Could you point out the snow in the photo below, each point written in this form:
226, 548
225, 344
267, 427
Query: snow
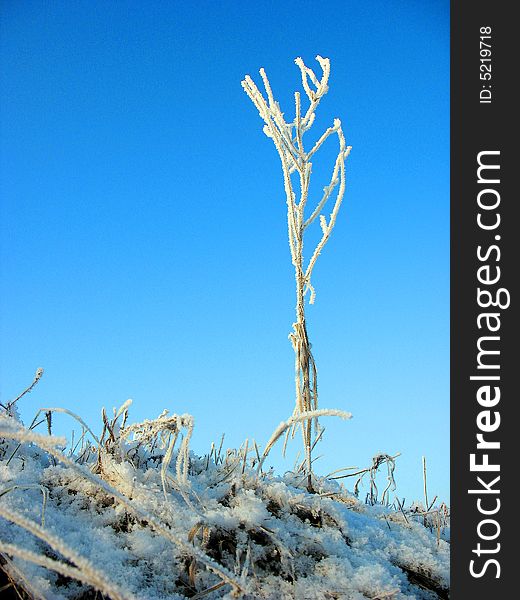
140, 516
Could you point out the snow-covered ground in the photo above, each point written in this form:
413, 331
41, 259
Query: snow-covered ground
135, 514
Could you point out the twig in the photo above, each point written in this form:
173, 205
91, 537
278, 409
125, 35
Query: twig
37, 377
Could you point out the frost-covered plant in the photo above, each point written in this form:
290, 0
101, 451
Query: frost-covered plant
288, 138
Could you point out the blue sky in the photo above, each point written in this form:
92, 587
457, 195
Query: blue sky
143, 233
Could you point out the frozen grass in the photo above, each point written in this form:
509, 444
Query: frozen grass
133, 513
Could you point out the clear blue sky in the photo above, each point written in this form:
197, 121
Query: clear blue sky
144, 251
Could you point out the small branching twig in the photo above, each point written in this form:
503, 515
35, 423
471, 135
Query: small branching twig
377, 461
37, 377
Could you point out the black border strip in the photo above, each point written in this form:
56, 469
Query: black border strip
477, 127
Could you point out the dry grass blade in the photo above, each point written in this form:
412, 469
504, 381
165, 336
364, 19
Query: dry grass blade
284, 425
48, 444
18, 580
213, 588
65, 570
89, 573
43, 490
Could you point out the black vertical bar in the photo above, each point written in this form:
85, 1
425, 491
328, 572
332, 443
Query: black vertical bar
482, 121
